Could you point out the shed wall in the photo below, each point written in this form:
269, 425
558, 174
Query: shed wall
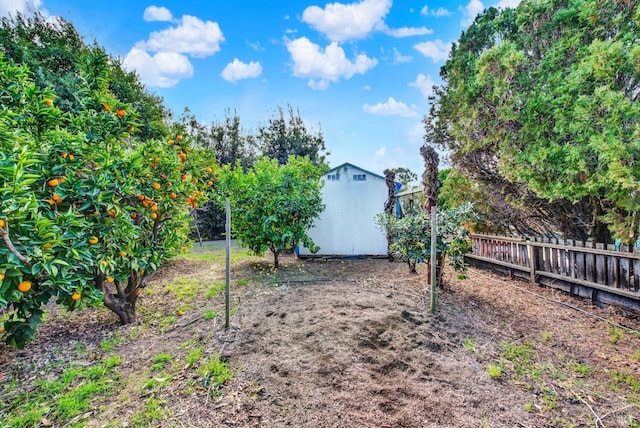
347, 227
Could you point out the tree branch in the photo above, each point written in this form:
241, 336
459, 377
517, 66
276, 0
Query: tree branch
5, 236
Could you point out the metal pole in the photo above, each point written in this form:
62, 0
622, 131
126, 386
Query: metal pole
228, 265
434, 238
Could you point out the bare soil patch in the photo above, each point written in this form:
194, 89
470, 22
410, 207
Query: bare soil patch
349, 343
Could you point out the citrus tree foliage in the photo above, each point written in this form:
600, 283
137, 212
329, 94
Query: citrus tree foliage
87, 211
411, 235
273, 206
284, 137
56, 55
540, 105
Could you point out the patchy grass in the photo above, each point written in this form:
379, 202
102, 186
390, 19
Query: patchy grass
60, 398
214, 373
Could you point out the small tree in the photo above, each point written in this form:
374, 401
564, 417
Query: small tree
273, 205
411, 236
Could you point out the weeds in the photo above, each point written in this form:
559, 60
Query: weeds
214, 373
155, 409
110, 344
216, 289
61, 399
470, 344
161, 361
194, 356
494, 371
615, 335
185, 289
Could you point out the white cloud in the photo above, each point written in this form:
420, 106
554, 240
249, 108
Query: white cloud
155, 13
164, 69
398, 58
367, 88
324, 66
405, 31
441, 11
340, 22
238, 70
471, 10
503, 4
12, 7
424, 83
193, 36
319, 84
391, 108
437, 50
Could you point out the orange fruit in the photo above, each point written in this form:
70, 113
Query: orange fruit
24, 286
154, 207
154, 216
183, 177
53, 182
2, 223
173, 195
122, 253
120, 113
2, 276
141, 197
180, 312
51, 201
106, 107
112, 214
134, 216
93, 240
109, 279
156, 186
56, 198
75, 296
208, 170
209, 183
195, 181
48, 102
1, 329
70, 156
179, 137
170, 141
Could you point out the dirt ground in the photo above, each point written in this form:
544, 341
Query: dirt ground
351, 343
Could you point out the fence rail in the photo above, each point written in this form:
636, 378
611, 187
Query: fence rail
573, 265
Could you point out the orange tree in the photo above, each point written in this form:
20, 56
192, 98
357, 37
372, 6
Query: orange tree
87, 210
273, 206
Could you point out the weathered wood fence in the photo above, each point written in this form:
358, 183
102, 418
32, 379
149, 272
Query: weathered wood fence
602, 272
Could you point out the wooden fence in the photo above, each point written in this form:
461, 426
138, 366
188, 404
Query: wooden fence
581, 268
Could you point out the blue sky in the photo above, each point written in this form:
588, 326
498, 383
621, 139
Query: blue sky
358, 71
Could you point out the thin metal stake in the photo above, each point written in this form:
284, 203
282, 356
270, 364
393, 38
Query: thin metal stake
228, 273
434, 238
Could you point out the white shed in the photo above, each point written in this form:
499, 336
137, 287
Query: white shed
352, 197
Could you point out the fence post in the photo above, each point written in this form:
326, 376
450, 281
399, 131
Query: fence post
532, 261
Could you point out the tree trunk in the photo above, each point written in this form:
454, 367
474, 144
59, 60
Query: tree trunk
276, 262
390, 180
125, 310
599, 231
122, 301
